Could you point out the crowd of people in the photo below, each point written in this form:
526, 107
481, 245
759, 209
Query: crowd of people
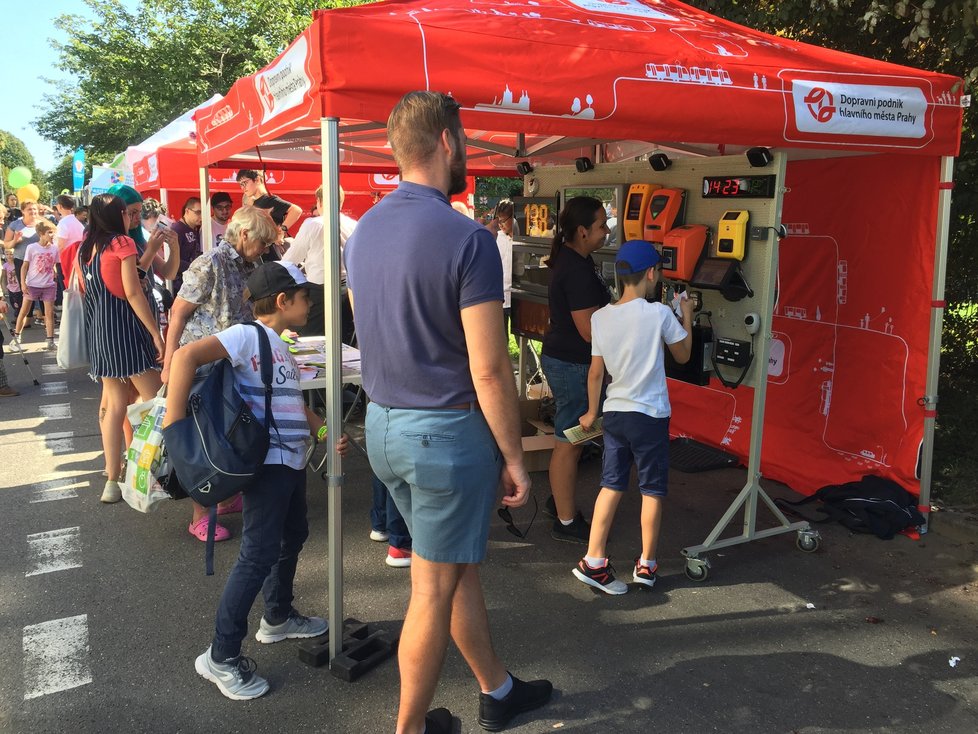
442, 425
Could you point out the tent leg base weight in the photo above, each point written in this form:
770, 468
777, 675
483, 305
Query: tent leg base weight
362, 655
315, 652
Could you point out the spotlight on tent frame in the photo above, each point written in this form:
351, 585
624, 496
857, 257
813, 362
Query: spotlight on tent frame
759, 157
524, 168
659, 161
584, 164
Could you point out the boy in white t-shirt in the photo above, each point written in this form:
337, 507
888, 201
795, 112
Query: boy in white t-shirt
627, 339
274, 513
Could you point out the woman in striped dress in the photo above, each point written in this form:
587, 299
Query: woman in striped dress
124, 341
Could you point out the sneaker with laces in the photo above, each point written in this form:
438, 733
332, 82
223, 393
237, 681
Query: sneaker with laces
494, 714
296, 626
397, 558
602, 577
379, 536
643, 574
235, 678
577, 532
112, 492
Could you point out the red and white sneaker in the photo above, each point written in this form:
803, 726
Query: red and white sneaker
602, 577
397, 558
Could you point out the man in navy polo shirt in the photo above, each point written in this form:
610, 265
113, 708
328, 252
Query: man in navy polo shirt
443, 422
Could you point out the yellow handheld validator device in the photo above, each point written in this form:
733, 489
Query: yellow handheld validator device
732, 234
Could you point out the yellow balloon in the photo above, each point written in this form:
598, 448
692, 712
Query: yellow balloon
30, 192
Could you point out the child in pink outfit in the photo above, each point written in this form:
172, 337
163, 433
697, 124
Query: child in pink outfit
11, 282
37, 277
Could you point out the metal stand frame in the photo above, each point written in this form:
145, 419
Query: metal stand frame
808, 540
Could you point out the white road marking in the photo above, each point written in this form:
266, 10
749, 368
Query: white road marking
55, 550
56, 411
55, 489
54, 388
56, 656
61, 442
51, 369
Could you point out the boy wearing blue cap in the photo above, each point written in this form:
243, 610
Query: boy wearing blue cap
627, 339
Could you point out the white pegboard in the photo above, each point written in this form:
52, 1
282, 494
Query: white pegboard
760, 265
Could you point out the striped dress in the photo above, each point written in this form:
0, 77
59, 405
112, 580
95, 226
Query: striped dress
118, 343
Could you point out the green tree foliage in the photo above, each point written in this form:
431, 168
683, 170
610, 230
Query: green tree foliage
135, 71
490, 190
14, 153
939, 37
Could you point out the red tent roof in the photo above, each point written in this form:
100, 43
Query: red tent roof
561, 75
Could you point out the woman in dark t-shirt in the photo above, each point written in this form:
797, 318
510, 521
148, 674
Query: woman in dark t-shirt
576, 292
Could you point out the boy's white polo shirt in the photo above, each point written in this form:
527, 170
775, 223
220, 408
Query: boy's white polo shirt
631, 338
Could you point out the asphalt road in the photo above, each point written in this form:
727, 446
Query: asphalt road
104, 610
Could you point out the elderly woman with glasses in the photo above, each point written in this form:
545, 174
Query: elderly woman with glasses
214, 297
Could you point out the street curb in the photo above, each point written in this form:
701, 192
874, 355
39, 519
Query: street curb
954, 526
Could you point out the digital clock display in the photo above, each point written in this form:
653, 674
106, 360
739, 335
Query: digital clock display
738, 187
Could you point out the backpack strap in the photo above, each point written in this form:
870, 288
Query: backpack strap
265, 357
209, 546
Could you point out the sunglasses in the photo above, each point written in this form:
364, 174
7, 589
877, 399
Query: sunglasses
507, 517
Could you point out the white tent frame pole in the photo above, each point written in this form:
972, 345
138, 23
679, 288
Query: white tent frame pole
206, 228
330, 139
929, 400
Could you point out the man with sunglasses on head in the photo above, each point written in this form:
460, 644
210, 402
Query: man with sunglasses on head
443, 421
253, 192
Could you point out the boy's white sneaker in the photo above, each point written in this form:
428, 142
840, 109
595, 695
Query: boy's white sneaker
602, 577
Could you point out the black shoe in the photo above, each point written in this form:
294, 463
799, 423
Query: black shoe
550, 508
577, 532
525, 696
439, 721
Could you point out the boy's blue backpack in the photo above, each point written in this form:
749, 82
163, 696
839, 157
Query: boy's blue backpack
218, 447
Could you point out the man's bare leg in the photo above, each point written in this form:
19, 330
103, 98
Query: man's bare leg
470, 630
424, 638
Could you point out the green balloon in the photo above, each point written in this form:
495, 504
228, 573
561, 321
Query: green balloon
18, 177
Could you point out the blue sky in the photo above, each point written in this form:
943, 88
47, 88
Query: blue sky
33, 58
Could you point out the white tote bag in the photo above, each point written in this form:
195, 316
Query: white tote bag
72, 341
146, 458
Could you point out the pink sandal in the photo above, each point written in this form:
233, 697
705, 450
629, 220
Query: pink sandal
199, 530
235, 505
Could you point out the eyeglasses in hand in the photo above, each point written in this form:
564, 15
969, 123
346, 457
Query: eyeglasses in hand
507, 517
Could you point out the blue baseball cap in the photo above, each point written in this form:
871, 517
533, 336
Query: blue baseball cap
635, 256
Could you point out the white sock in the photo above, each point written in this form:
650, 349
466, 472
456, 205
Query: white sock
565, 523
500, 693
647, 564
595, 562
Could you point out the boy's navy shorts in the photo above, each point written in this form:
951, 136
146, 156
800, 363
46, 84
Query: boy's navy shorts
635, 437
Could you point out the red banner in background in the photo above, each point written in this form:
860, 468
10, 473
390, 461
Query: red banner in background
849, 356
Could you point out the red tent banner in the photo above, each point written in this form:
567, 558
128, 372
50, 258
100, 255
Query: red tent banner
844, 377
657, 71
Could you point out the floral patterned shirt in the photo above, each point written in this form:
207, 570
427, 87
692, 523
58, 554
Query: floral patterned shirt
216, 283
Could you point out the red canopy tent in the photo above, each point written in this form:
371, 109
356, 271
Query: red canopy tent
868, 147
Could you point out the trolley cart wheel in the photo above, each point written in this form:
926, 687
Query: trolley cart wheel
808, 541
697, 569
